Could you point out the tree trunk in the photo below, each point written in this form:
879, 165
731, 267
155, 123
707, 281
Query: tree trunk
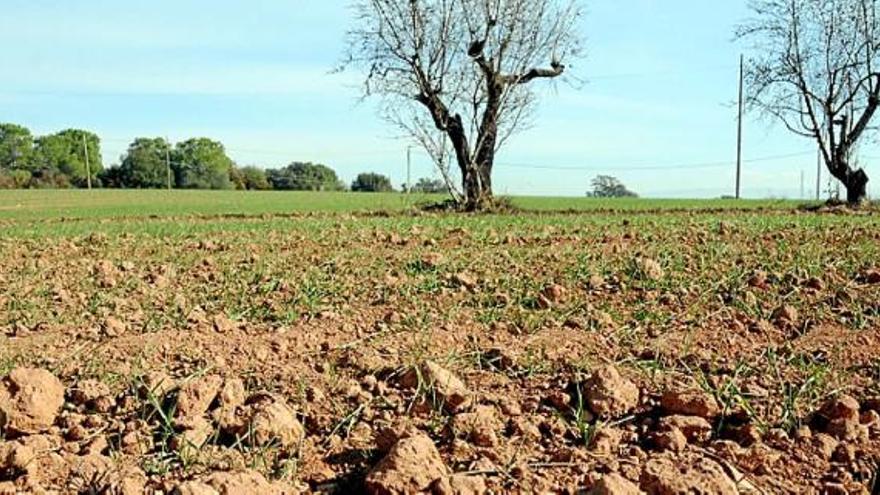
856, 183
473, 190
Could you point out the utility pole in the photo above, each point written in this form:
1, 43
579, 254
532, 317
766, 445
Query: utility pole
408, 169
168, 162
88, 166
739, 132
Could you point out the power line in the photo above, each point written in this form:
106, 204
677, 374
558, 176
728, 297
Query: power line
683, 166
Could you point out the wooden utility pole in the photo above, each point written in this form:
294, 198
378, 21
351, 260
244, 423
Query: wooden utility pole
88, 166
739, 132
168, 162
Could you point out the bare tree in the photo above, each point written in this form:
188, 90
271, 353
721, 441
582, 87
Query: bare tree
816, 71
454, 74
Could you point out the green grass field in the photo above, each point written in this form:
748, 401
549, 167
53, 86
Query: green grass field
754, 304
98, 204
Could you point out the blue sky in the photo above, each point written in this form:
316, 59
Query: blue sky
656, 110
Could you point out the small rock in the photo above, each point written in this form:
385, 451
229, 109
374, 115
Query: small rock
560, 399
88, 468
194, 436
16, 456
245, 482
132, 481
649, 269
803, 433
411, 466
272, 421
432, 260
845, 453
440, 383
387, 437
690, 403
554, 293
465, 280
747, 435
88, 392
697, 475
606, 441
479, 426
825, 445
785, 316
114, 327
30, 400
195, 488
846, 430
459, 484
156, 384
609, 395
672, 439
196, 396
615, 484
222, 324
842, 407
233, 393
758, 279
835, 489
694, 428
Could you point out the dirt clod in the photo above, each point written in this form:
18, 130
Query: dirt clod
479, 426
690, 403
672, 439
615, 484
30, 400
440, 383
196, 396
459, 484
649, 269
694, 428
411, 466
609, 394
667, 475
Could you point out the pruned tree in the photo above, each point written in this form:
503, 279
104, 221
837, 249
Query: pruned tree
455, 75
816, 69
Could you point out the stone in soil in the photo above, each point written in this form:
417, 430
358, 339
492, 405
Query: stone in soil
440, 383
459, 484
411, 466
674, 475
479, 426
690, 403
231, 483
272, 421
196, 396
30, 400
615, 484
672, 439
842, 407
649, 269
694, 428
89, 392
610, 395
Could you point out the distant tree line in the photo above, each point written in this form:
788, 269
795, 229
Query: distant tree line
72, 158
